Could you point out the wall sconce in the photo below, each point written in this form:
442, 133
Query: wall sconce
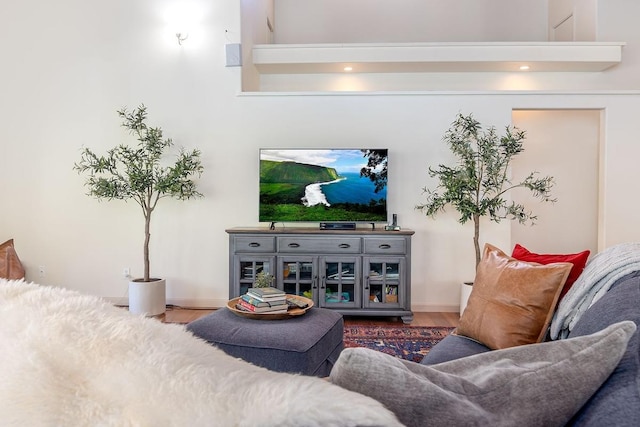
182, 37
182, 20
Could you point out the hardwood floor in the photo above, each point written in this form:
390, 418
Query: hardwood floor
186, 315
176, 314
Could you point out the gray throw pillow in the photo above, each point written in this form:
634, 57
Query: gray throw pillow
534, 385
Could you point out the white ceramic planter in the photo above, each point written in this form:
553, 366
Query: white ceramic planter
148, 298
465, 291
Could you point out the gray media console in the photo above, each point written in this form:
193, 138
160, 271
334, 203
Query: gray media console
356, 272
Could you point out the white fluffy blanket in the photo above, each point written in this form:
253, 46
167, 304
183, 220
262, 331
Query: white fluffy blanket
600, 273
74, 360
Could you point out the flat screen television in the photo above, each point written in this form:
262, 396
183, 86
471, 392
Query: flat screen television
331, 185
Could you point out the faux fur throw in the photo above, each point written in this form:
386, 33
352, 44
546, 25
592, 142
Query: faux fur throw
74, 360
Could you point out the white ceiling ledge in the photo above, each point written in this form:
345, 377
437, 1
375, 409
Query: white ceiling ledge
437, 57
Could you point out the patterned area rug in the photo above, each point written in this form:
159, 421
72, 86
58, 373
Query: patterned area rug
406, 342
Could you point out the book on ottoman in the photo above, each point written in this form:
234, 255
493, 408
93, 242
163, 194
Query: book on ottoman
267, 294
269, 308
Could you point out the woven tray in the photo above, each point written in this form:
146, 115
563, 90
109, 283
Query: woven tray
292, 312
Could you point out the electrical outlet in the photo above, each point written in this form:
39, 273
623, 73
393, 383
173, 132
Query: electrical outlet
126, 272
41, 271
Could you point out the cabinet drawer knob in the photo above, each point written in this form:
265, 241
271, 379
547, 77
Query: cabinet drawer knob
384, 246
294, 245
344, 245
254, 244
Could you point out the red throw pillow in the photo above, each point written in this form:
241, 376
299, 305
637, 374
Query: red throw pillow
578, 260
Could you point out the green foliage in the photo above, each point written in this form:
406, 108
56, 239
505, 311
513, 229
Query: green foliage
263, 280
275, 194
137, 172
376, 169
339, 211
476, 185
294, 173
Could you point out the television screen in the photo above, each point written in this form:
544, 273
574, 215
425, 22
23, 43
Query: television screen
323, 185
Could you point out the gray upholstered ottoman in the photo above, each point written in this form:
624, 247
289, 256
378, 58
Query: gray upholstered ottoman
308, 344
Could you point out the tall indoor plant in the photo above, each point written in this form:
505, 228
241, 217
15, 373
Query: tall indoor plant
476, 184
137, 173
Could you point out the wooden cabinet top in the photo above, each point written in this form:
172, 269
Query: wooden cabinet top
310, 230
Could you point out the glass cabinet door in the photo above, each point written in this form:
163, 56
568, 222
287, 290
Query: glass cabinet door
249, 267
340, 282
299, 276
383, 286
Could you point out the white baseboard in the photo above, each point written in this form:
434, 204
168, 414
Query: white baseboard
428, 308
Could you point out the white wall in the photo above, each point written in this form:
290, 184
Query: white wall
556, 140
368, 21
255, 30
73, 65
573, 20
459, 20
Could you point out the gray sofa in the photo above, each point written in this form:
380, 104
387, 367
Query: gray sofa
589, 379
617, 401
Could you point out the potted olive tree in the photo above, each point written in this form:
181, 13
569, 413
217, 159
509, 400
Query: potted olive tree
137, 173
477, 183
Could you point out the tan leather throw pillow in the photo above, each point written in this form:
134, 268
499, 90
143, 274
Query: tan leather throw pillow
512, 302
10, 265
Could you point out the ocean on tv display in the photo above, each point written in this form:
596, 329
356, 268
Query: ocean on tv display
323, 185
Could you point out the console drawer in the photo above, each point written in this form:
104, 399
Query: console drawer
255, 244
385, 246
304, 245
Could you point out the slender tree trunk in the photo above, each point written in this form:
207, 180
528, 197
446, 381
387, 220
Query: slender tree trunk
476, 237
147, 237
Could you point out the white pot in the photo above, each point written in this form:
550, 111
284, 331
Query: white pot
465, 291
148, 298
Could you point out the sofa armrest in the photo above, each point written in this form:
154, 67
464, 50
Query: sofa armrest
617, 402
453, 347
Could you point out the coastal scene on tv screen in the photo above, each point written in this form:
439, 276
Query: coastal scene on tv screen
323, 185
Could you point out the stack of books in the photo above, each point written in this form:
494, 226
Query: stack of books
263, 300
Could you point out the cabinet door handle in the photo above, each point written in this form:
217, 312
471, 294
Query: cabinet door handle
294, 245
315, 282
254, 245
322, 286
344, 245
366, 283
384, 246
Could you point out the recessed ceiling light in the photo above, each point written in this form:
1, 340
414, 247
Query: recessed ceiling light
348, 68
524, 67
